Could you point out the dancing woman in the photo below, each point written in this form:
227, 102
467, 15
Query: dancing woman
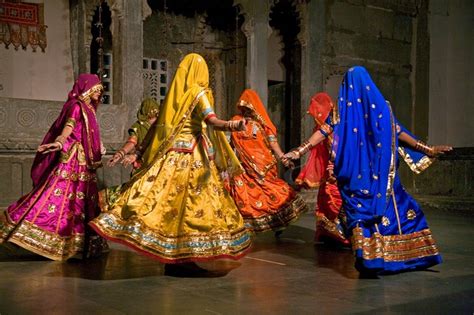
146, 116
318, 172
265, 201
52, 219
175, 207
389, 230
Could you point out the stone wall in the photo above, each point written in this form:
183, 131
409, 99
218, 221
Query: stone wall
173, 36
375, 34
451, 115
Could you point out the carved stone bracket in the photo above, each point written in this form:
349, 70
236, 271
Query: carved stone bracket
302, 10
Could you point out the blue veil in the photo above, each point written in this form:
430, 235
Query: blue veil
364, 148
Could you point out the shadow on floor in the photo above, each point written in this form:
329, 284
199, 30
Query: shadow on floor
298, 242
116, 265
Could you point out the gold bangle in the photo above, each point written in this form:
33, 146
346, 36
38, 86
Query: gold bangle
423, 147
61, 139
232, 125
122, 153
60, 144
303, 148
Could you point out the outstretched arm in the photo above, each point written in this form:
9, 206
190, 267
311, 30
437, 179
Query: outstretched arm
297, 153
431, 151
226, 125
58, 142
279, 153
124, 150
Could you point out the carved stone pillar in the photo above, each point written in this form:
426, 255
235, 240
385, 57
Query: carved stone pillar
255, 29
127, 30
311, 39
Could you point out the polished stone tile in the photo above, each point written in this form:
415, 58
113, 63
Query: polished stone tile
288, 275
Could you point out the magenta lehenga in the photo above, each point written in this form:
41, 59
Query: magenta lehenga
52, 219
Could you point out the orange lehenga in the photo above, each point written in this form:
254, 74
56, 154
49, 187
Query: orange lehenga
317, 173
265, 201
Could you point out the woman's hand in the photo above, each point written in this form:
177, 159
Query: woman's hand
237, 125
129, 159
50, 147
292, 155
440, 149
286, 162
115, 159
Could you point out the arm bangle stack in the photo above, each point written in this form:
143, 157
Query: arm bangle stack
122, 153
60, 140
423, 147
304, 148
232, 125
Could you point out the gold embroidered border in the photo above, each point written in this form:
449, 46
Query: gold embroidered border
418, 167
81, 176
150, 241
394, 248
392, 170
250, 106
66, 157
289, 213
39, 241
70, 122
322, 222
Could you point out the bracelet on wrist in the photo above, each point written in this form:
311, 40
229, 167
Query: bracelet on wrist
60, 139
122, 153
60, 144
423, 147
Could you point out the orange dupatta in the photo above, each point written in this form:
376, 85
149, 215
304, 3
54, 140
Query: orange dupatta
252, 146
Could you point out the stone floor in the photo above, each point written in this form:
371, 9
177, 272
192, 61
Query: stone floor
286, 276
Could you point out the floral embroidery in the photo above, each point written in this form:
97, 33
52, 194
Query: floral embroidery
197, 164
51, 208
411, 215
184, 164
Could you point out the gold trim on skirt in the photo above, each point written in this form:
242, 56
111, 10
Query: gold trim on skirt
178, 210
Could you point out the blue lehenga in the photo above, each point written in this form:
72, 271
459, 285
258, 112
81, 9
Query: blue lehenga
389, 230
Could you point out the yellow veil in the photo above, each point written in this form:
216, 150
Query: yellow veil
190, 82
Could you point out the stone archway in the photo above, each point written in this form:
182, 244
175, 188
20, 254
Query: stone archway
284, 18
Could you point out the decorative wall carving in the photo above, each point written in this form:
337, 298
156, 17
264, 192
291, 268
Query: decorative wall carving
24, 122
22, 24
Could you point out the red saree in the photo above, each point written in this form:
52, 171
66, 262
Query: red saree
317, 172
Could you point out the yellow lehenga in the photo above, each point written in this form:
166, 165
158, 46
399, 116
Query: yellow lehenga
175, 208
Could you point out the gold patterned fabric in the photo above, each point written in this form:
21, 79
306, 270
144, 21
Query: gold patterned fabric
395, 248
50, 245
175, 208
178, 211
416, 167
